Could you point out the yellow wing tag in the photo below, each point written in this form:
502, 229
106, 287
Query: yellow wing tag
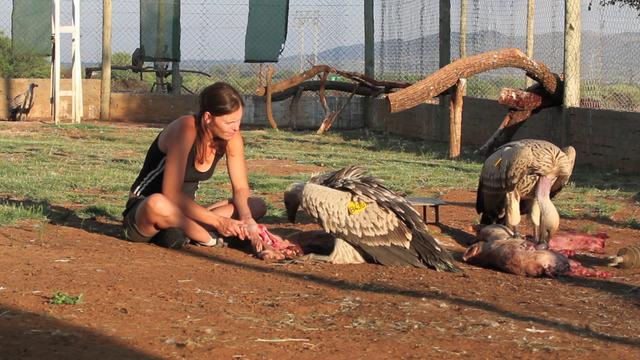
498, 162
356, 207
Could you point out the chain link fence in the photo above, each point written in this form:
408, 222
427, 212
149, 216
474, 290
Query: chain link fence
406, 42
407, 34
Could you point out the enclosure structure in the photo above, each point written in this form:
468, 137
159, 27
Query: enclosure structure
388, 40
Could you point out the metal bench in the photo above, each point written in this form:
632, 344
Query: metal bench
426, 202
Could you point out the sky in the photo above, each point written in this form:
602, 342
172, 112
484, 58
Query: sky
214, 29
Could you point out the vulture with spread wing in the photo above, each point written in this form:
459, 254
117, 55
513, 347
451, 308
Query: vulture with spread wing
369, 221
20, 106
522, 177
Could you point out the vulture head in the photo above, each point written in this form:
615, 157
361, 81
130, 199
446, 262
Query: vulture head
292, 200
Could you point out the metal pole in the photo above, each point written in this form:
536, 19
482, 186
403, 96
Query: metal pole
445, 57
369, 58
572, 54
76, 90
105, 95
463, 29
531, 8
56, 62
369, 40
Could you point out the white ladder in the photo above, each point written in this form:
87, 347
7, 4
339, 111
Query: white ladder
76, 74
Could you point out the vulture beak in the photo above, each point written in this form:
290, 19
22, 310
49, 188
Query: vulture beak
291, 204
292, 200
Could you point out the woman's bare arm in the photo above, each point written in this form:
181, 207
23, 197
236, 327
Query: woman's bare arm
237, 168
176, 143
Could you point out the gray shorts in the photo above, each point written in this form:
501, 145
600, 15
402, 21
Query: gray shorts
131, 231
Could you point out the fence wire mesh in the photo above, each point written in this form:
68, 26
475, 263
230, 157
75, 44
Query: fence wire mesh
332, 32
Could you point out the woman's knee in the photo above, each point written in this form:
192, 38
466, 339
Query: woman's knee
158, 206
258, 207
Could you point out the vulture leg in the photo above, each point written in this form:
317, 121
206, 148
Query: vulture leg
343, 253
549, 217
513, 211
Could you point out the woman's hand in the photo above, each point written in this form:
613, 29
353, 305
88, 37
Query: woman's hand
252, 232
231, 227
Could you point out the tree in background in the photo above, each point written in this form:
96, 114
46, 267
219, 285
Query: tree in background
633, 3
23, 66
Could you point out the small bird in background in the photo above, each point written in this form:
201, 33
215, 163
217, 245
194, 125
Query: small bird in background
137, 60
20, 106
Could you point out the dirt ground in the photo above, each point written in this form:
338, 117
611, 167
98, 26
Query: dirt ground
141, 301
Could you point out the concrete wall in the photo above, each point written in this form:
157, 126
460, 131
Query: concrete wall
160, 108
41, 109
602, 138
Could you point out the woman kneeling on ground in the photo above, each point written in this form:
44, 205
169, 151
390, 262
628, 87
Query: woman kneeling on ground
186, 152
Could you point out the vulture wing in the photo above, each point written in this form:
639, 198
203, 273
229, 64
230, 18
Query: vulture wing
501, 172
362, 211
566, 164
17, 102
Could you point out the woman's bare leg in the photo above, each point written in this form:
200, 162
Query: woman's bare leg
227, 209
157, 212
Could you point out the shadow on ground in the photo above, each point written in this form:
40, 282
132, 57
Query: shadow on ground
26, 335
59, 215
604, 285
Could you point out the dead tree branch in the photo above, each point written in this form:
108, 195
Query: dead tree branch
522, 104
449, 75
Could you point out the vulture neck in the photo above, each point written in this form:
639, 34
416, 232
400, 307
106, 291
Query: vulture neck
549, 217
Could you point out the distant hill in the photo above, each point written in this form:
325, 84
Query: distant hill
616, 55
609, 57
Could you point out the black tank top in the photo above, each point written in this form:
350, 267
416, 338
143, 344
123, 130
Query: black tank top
149, 180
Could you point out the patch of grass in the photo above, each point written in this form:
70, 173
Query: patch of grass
10, 213
62, 298
86, 170
632, 223
587, 228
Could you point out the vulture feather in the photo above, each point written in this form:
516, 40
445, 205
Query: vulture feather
522, 177
363, 214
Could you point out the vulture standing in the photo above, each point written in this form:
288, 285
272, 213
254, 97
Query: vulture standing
20, 106
137, 60
522, 177
369, 221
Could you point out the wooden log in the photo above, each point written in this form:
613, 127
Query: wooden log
332, 116
364, 82
510, 124
522, 104
449, 75
455, 125
269, 106
519, 99
295, 80
315, 85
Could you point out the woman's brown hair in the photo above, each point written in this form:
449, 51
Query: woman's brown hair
218, 99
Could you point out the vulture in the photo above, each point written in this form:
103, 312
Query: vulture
521, 177
20, 106
137, 60
370, 222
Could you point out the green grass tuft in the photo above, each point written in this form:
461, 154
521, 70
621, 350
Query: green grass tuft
61, 298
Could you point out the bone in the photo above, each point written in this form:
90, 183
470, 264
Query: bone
627, 257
